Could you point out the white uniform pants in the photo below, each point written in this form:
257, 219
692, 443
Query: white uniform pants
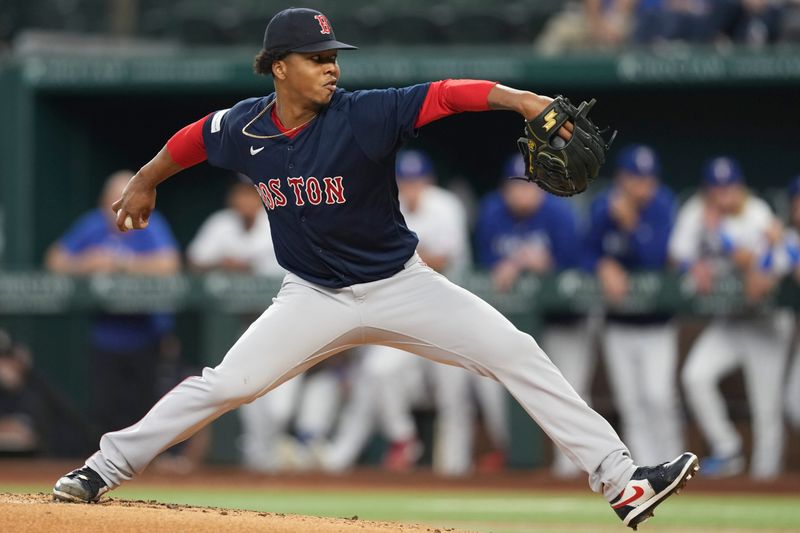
312, 400
642, 364
390, 382
264, 421
383, 384
416, 310
759, 346
792, 397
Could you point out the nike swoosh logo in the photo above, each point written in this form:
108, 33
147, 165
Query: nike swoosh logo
254, 151
637, 493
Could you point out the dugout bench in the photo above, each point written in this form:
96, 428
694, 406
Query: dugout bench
51, 313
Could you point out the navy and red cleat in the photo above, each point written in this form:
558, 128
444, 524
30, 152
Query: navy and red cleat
651, 485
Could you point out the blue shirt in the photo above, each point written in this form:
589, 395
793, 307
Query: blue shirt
330, 191
552, 226
645, 248
120, 333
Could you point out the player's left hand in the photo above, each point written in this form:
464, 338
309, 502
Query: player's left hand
774, 232
559, 164
613, 280
137, 201
535, 104
757, 285
624, 211
504, 275
702, 274
535, 258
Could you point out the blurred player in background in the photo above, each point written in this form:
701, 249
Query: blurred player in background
523, 230
792, 247
237, 239
35, 417
587, 24
723, 231
629, 232
390, 382
124, 348
755, 23
687, 21
22, 421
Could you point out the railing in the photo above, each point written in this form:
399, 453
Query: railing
37, 302
32, 293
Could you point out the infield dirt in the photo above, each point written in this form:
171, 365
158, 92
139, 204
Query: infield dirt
39, 513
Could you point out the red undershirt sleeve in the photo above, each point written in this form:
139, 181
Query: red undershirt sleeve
187, 147
449, 97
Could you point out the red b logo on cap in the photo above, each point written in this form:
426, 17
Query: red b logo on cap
323, 24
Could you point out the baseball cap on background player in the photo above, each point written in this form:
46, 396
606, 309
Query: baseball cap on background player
722, 171
413, 165
638, 160
299, 29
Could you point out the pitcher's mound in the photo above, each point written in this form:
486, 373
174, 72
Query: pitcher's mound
39, 513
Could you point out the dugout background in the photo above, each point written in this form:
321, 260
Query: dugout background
68, 121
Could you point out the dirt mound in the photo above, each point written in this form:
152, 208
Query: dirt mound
39, 513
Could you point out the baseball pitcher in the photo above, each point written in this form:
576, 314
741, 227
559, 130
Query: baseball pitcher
323, 159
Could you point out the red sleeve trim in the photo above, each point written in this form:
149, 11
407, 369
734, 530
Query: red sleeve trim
187, 147
449, 97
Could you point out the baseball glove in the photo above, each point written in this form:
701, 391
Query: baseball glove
563, 167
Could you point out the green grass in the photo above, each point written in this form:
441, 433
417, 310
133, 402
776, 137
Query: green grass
489, 511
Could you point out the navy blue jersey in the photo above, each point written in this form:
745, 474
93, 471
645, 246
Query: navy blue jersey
330, 191
643, 249
94, 230
553, 226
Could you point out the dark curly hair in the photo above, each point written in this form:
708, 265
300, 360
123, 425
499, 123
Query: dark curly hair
262, 64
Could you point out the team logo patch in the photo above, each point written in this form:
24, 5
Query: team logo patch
325, 26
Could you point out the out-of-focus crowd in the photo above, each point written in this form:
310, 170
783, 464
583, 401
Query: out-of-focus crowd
554, 25
328, 417
611, 24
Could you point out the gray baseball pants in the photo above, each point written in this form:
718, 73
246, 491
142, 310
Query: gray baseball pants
416, 310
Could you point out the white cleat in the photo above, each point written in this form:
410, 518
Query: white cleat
651, 485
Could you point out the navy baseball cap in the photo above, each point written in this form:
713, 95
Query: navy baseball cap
639, 160
299, 29
413, 164
514, 167
794, 187
722, 171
